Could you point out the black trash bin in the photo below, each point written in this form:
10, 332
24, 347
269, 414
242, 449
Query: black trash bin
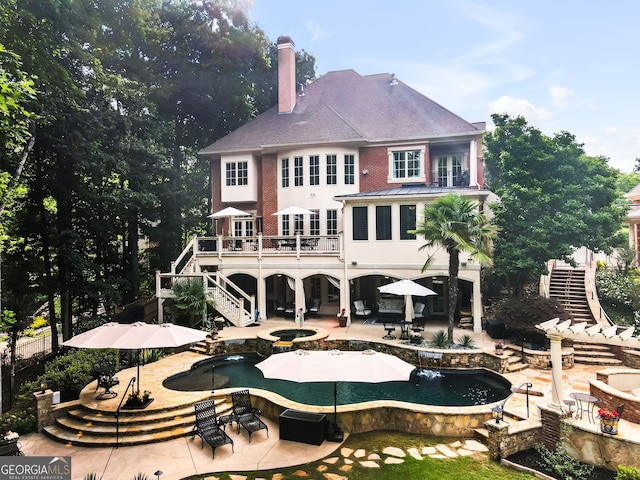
305, 427
495, 328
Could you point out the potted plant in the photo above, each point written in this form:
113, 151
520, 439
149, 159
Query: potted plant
8, 442
608, 421
499, 348
416, 338
342, 317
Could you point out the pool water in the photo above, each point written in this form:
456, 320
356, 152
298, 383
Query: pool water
427, 387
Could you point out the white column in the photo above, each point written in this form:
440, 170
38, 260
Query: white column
556, 371
473, 163
262, 297
476, 306
299, 303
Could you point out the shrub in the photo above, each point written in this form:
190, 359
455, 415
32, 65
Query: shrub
439, 339
72, 372
627, 473
560, 462
521, 315
20, 421
466, 341
39, 322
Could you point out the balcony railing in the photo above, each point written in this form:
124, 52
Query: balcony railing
258, 246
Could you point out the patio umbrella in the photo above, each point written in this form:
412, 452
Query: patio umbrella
229, 212
408, 288
293, 210
335, 366
136, 336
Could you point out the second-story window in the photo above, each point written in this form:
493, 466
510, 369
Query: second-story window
406, 164
314, 223
332, 222
332, 170
349, 170
231, 174
407, 222
360, 223
285, 172
314, 170
383, 222
298, 173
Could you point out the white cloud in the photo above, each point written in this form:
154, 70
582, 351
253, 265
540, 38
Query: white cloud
519, 106
620, 144
561, 96
317, 32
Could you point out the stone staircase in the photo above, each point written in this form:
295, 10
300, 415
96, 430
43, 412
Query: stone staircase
567, 286
87, 427
594, 354
514, 358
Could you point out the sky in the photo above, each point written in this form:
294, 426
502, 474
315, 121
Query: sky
564, 65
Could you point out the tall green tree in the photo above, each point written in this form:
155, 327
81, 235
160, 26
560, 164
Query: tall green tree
552, 198
455, 224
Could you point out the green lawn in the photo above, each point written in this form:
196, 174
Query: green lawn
476, 467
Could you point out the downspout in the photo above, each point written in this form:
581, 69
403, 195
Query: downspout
345, 286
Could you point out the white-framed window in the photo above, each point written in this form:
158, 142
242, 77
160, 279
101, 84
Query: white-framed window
298, 223
237, 173
314, 170
349, 170
285, 172
448, 170
285, 225
407, 164
298, 171
332, 169
314, 223
332, 222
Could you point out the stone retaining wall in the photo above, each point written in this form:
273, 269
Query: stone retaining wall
610, 398
631, 358
506, 439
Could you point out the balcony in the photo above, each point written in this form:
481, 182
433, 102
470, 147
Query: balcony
257, 247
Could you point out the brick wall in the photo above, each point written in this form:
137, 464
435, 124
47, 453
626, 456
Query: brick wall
610, 399
269, 197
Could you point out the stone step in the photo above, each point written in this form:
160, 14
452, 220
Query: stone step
516, 367
597, 361
580, 347
90, 440
481, 434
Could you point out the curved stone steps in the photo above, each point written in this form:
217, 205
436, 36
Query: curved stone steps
86, 426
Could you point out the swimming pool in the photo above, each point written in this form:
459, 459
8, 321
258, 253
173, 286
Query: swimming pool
425, 387
288, 335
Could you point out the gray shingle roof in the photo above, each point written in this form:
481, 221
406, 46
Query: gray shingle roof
345, 107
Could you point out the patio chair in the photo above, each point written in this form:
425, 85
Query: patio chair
315, 307
361, 310
104, 373
245, 414
418, 310
207, 427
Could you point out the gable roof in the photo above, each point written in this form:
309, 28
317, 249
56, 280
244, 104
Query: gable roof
346, 107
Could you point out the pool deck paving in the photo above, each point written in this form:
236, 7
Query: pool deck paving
183, 457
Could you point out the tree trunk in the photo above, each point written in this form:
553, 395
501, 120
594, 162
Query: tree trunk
454, 266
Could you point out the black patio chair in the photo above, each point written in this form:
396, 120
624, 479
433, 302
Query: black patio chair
245, 414
207, 427
104, 373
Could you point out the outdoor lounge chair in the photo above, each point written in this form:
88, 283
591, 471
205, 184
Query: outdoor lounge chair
361, 310
207, 426
315, 307
418, 310
245, 414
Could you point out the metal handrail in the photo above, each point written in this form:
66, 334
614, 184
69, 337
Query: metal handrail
526, 384
117, 414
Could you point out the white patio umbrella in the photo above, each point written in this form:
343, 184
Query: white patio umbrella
229, 212
293, 210
407, 288
335, 366
136, 336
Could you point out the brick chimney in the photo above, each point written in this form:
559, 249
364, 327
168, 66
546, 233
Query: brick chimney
286, 75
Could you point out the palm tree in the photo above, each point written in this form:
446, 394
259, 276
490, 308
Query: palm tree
455, 223
190, 300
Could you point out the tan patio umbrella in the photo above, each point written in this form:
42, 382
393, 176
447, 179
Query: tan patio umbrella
136, 336
335, 366
407, 288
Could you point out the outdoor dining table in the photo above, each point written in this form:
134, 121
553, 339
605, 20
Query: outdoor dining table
585, 402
